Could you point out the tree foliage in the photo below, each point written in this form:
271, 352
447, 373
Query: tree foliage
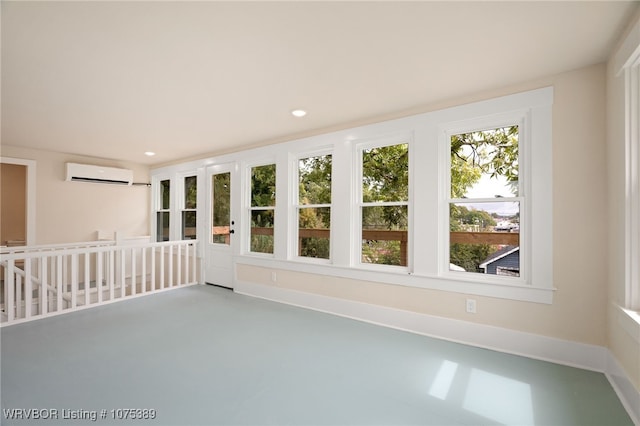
492, 153
463, 219
385, 178
487, 152
263, 186
314, 190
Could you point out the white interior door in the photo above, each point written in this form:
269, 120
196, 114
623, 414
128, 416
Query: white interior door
221, 239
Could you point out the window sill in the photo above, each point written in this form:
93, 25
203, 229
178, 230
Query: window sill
520, 292
630, 322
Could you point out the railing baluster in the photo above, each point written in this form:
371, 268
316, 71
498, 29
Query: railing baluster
99, 275
162, 273
65, 273
112, 274
44, 287
28, 289
179, 266
143, 273
87, 279
123, 275
170, 266
59, 284
152, 283
194, 264
74, 281
9, 282
187, 250
18, 296
133, 272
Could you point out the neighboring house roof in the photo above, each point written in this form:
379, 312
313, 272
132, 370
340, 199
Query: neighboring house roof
503, 252
453, 267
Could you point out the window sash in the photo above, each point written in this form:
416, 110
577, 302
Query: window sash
524, 180
388, 248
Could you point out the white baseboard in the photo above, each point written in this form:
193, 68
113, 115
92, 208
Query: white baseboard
627, 393
574, 354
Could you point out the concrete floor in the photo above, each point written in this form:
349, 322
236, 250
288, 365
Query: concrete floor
206, 356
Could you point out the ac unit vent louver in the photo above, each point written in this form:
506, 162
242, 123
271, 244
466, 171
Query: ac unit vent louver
98, 174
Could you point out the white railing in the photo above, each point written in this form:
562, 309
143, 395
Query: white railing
49, 280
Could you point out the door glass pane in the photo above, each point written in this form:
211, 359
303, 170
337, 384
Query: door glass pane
221, 209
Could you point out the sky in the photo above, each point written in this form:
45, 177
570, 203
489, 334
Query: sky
489, 187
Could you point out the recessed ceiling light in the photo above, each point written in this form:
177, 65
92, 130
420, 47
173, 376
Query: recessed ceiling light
149, 154
298, 113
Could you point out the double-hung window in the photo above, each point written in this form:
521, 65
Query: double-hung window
189, 208
163, 212
262, 208
384, 203
485, 201
313, 209
631, 70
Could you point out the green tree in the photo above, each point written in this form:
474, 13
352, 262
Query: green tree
474, 154
314, 188
263, 194
263, 186
385, 179
492, 152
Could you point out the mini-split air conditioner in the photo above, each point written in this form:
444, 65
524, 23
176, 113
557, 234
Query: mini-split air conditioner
98, 174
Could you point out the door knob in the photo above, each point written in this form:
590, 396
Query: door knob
232, 231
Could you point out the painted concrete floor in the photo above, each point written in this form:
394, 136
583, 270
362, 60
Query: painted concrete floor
206, 356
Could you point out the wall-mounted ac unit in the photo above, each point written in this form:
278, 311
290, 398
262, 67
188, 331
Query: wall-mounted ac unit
98, 174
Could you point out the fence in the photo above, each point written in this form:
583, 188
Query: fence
462, 237
48, 280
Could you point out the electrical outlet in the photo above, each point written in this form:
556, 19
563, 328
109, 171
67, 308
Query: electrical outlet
471, 306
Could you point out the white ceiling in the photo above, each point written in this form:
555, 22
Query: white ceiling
115, 79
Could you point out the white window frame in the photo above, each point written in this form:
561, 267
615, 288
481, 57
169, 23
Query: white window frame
536, 231
249, 208
632, 193
516, 118
294, 228
359, 148
158, 208
182, 201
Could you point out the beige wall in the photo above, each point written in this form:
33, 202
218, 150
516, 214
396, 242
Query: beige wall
74, 211
13, 202
580, 216
623, 346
